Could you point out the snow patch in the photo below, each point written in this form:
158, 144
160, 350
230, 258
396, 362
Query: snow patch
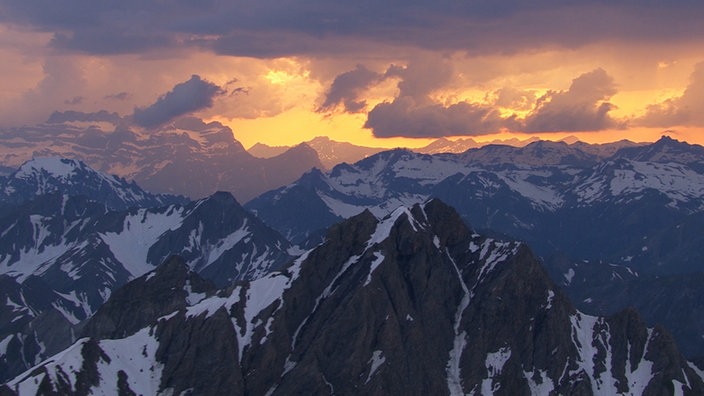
551, 295
494, 364
140, 231
378, 259
569, 275
375, 361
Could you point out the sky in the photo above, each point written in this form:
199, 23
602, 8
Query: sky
386, 74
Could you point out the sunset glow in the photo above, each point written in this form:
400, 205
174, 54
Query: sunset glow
432, 71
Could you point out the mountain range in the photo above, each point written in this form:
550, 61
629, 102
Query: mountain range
332, 153
362, 278
63, 252
414, 303
638, 208
185, 157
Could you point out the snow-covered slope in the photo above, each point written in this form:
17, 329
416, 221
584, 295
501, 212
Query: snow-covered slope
414, 303
46, 175
533, 192
75, 252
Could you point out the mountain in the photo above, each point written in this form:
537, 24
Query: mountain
604, 150
627, 210
444, 145
261, 150
62, 256
415, 303
72, 177
605, 288
329, 151
186, 157
551, 194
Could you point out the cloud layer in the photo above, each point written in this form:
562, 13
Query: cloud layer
399, 69
272, 28
414, 113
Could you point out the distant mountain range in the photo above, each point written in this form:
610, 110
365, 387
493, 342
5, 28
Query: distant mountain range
332, 153
415, 303
186, 157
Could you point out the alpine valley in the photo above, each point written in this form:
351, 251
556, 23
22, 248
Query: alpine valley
550, 268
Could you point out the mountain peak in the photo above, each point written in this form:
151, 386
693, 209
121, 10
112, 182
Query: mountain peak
665, 149
73, 177
54, 166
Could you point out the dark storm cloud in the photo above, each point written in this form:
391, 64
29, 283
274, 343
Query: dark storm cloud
687, 110
272, 28
185, 98
583, 107
347, 88
404, 117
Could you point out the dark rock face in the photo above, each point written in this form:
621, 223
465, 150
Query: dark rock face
170, 287
416, 303
249, 249
62, 256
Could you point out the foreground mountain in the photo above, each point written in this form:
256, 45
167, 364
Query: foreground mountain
62, 256
185, 157
415, 303
72, 177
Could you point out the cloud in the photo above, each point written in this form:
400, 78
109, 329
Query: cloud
685, 110
406, 117
120, 96
185, 98
513, 98
271, 29
348, 86
583, 107
76, 100
414, 112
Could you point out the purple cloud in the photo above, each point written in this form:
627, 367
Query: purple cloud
185, 98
